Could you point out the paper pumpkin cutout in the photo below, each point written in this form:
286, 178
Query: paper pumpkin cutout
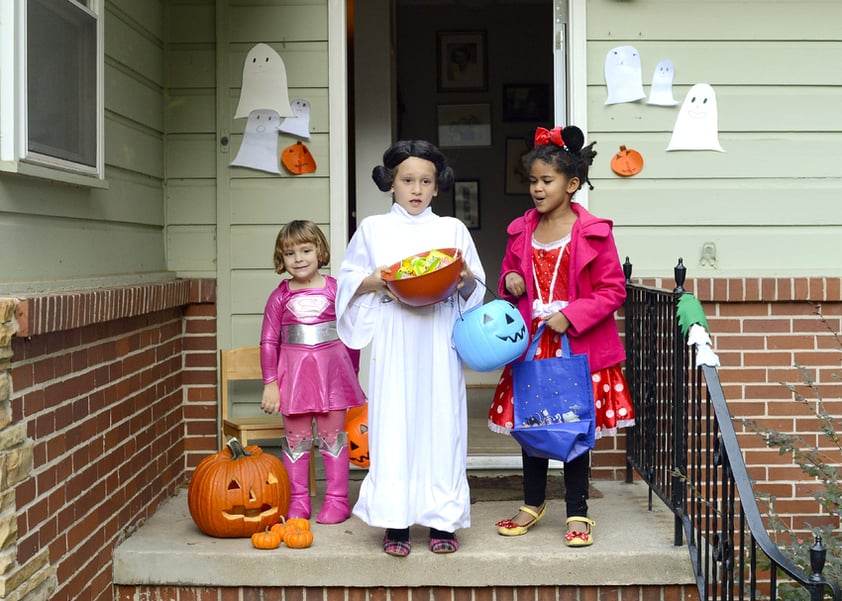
298, 159
623, 75
299, 125
264, 83
626, 162
696, 127
259, 149
661, 91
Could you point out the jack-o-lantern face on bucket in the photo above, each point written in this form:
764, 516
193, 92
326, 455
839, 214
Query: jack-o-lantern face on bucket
356, 425
238, 491
490, 336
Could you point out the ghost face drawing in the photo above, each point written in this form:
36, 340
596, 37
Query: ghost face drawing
259, 149
299, 124
661, 91
696, 127
264, 83
623, 75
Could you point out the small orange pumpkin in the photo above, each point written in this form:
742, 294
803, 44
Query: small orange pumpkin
298, 536
626, 162
268, 539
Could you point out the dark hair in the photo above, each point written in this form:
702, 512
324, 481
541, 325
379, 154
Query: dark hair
383, 175
572, 159
300, 232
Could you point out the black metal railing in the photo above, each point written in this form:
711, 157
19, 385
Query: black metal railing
685, 448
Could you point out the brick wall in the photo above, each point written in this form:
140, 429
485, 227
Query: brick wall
113, 401
431, 593
761, 328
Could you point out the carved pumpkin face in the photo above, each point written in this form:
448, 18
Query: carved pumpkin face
626, 162
237, 492
490, 336
356, 424
298, 159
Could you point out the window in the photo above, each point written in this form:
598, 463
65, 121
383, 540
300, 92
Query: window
51, 87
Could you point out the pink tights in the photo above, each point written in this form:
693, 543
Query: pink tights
300, 426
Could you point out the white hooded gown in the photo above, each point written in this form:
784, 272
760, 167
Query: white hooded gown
417, 400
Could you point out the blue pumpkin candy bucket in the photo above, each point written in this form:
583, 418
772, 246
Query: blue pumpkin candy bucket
489, 336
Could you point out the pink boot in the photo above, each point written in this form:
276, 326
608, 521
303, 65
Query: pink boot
297, 463
335, 508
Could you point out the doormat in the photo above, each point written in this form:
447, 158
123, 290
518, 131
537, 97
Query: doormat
510, 488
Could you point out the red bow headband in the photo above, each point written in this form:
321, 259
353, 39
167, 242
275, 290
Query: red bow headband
553, 136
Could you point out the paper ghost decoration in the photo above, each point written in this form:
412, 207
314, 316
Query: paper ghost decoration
697, 127
259, 149
299, 124
623, 75
298, 159
661, 91
264, 83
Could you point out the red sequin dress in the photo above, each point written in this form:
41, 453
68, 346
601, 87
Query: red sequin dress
611, 396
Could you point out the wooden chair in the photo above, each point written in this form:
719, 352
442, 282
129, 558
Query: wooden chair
240, 364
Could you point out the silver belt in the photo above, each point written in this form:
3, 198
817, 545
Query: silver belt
309, 334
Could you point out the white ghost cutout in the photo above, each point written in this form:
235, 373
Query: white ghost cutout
299, 124
259, 149
661, 91
623, 75
264, 83
697, 124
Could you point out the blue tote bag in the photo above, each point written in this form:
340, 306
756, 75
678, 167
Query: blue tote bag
553, 403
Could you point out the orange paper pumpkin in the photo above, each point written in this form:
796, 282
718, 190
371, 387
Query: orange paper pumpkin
626, 162
356, 424
298, 159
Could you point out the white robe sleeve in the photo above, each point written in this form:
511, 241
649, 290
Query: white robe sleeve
356, 315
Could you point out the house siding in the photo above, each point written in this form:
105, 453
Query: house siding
768, 203
66, 236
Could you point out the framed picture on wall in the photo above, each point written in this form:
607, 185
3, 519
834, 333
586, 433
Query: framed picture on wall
462, 125
461, 60
526, 102
466, 202
517, 181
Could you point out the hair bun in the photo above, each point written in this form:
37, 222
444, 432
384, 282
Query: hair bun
382, 178
573, 137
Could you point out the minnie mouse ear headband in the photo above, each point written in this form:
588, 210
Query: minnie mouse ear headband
569, 137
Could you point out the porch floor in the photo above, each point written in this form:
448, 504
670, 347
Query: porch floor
633, 546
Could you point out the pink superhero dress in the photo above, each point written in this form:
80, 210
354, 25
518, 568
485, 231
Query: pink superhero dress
299, 347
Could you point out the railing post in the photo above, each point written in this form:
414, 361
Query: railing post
630, 432
818, 554
679, 424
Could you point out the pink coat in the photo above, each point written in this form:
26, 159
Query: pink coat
596, 285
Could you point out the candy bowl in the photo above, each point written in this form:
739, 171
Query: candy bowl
425, 278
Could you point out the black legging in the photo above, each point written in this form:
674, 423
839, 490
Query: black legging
575, 482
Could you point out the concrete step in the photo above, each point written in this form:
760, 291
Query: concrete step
633, 547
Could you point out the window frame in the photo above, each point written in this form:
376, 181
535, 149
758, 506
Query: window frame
15, 155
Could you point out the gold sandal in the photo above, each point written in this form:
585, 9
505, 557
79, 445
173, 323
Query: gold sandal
509, 528
580, 539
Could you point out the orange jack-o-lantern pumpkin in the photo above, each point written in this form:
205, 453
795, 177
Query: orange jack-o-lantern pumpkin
298, 159
356, 424
238, 491
489, 336
626, 162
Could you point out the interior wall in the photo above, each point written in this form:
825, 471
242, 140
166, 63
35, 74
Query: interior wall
519, 51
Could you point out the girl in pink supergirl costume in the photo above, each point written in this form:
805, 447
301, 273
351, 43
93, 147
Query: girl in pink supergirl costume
308, 373
561, 267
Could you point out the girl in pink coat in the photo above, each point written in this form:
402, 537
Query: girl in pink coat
561, 267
